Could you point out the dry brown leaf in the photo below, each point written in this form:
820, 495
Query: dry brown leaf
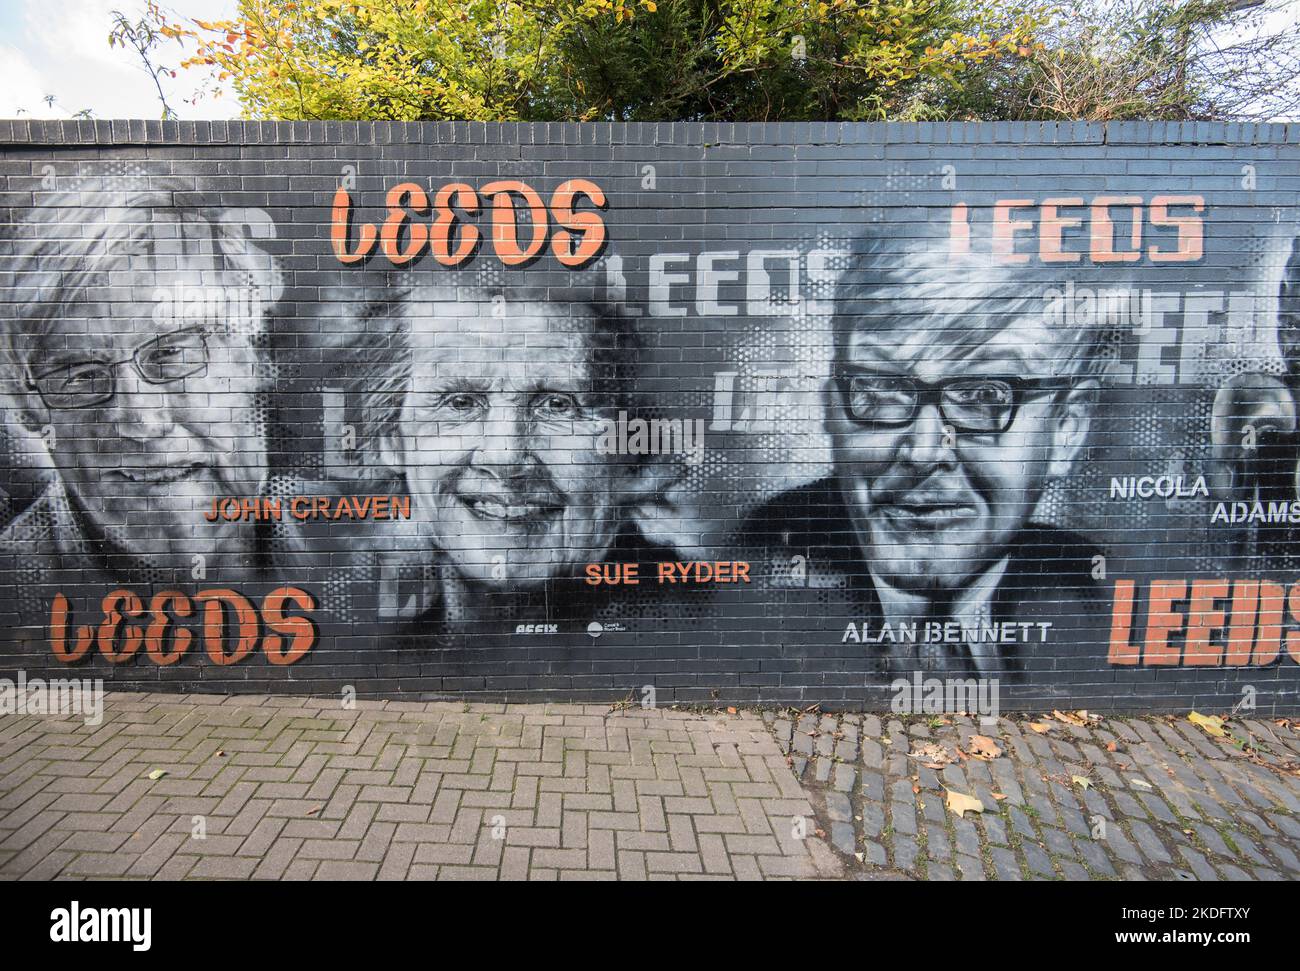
1112, 747
960, 803
731, 711
1068, 718
983, 747
1040, 727
314, 810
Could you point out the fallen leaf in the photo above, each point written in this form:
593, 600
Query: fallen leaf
1040, 727
731, 711
1213, 724
1083, 782
1112, 747
983, 747
859, 857
915, 789
960, 803
1069, 719
314, 810
1140, 783
999, 796
157, 774
932, 755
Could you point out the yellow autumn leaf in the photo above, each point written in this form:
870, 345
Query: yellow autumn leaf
960, 803
1212, 724
1083, 782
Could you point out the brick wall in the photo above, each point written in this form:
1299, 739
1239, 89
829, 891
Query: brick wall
797, 413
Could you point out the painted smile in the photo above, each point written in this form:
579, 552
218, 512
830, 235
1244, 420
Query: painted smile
160, 474
510, 510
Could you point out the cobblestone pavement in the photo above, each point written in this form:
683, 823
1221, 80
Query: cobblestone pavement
1108, 798
305, 789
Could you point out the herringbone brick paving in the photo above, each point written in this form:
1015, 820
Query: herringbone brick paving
276, 787
303, 788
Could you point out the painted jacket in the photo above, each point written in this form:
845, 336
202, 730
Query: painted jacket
816, 577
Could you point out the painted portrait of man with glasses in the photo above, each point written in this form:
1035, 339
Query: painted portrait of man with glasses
132, 356
955, 400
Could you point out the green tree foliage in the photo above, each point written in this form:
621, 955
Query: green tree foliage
742, 60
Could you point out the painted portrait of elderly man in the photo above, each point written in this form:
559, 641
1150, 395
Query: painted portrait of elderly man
492, 409
131, 356
955, 398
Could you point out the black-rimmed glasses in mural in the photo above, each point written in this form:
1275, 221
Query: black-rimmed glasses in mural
977, 404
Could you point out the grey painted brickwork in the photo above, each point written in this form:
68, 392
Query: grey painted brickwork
852, 404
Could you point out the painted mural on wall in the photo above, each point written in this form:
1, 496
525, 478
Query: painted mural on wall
753, 421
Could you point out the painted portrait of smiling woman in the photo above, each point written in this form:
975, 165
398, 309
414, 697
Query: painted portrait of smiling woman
491, 407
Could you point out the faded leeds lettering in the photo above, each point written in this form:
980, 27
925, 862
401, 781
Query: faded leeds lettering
948, 632
56, 696
74, 924
232, 509
947, 696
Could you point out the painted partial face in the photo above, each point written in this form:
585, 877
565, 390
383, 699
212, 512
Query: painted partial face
933, 507
499, 434
143, 465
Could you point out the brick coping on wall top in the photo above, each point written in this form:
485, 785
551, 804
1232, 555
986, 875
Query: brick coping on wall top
26, 132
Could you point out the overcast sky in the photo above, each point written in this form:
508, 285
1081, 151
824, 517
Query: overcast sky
66, 55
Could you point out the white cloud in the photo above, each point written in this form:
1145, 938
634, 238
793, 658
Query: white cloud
67, 56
